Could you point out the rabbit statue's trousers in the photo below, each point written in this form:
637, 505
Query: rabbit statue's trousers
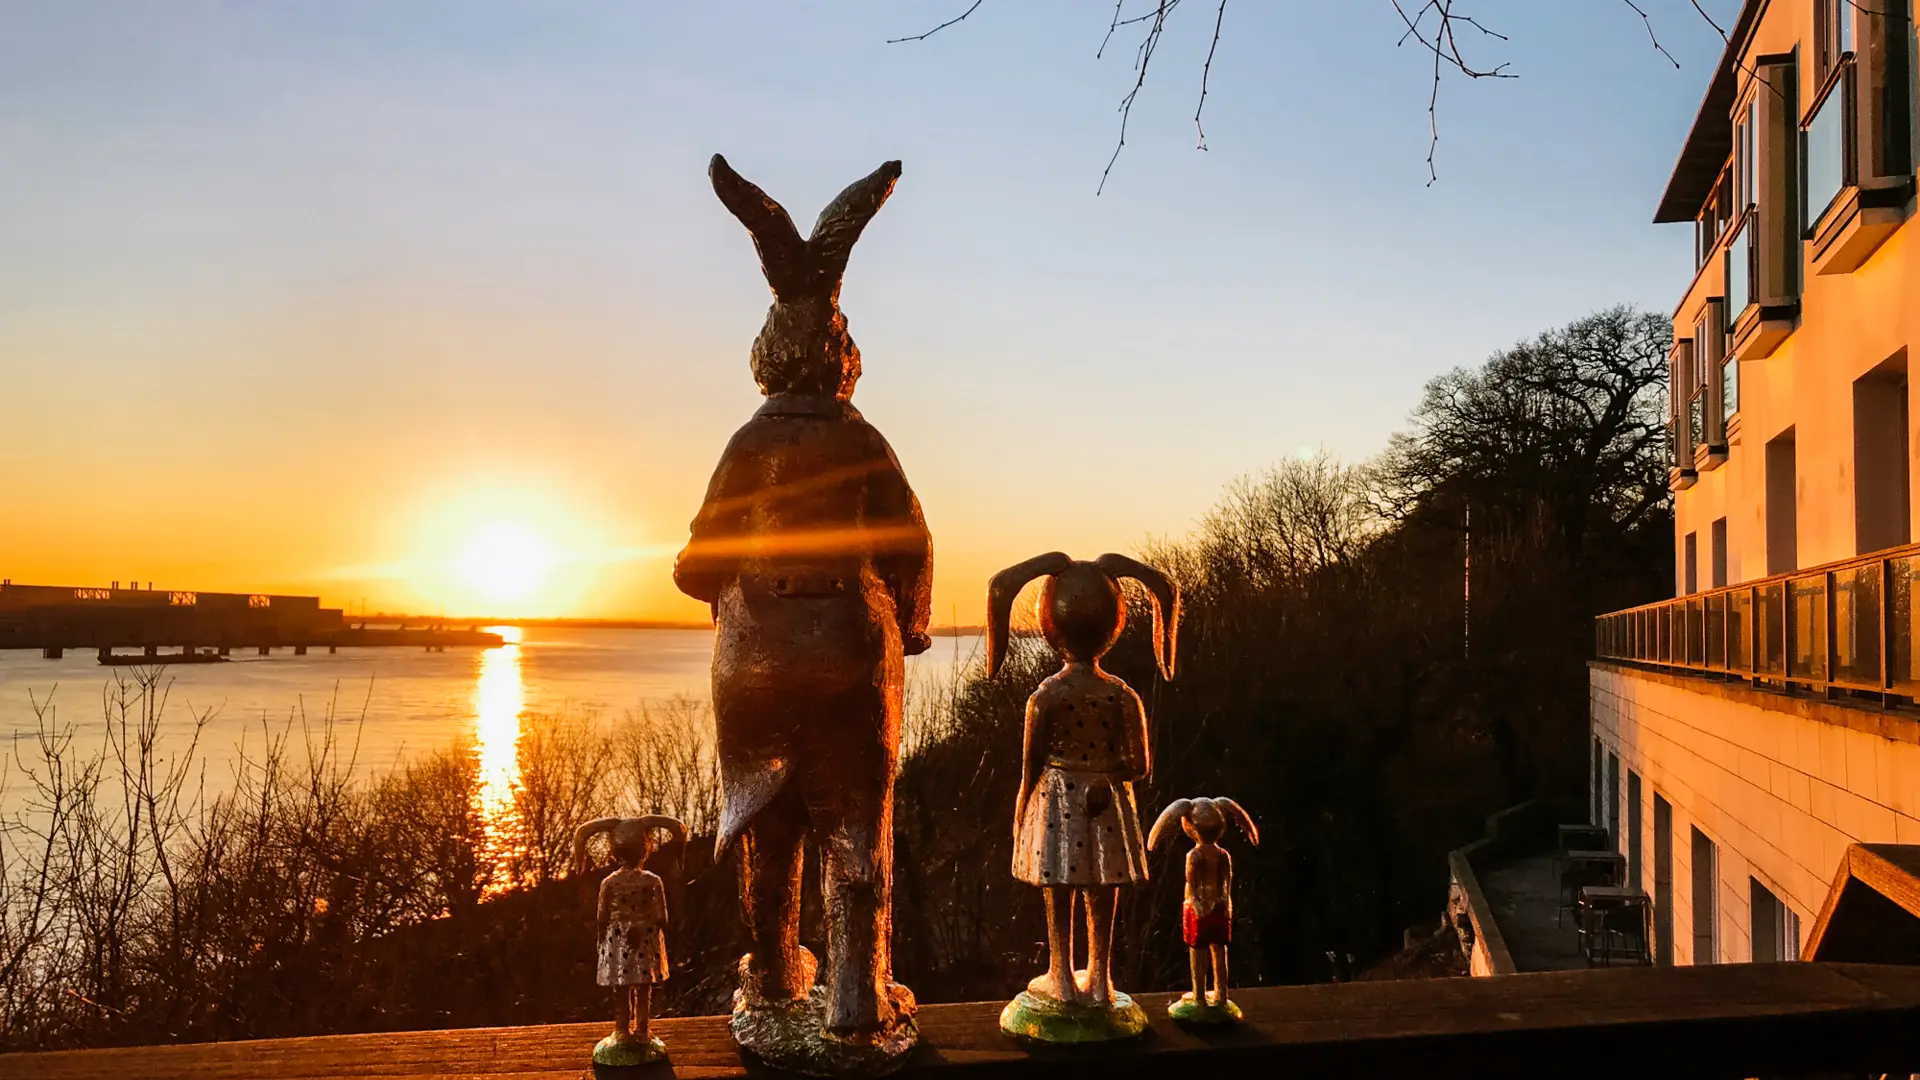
822, 722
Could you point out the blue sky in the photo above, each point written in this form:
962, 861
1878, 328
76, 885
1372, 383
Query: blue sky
332, 268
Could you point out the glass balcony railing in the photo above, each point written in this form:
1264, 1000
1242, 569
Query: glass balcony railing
1829, 151
1848, 625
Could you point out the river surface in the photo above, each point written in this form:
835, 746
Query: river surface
399, 701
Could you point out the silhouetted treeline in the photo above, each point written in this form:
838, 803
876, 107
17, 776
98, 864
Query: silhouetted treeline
1332, 679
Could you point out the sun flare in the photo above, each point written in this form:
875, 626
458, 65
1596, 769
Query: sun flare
505, 561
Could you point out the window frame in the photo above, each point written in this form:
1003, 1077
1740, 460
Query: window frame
1842, 80
1742, 223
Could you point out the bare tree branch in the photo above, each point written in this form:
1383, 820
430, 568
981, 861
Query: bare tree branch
922, 37
1657, 47
1206, 71
1434, 24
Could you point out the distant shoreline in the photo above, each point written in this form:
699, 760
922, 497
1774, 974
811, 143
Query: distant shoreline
649, 624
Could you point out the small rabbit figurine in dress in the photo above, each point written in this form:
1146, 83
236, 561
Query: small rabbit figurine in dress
1206, 918
632, 931
1076, 827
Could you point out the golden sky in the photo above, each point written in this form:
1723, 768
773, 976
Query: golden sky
432, 308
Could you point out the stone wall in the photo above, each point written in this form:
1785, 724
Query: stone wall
1780, 784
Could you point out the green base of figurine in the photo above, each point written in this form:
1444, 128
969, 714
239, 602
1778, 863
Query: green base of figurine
1189, 1011
624, 1051
790, 1035
1038, 1015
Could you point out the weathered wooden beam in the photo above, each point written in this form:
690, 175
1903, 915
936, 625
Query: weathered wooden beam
1729, 1020
1872, 911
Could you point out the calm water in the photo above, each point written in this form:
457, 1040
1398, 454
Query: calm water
412, 700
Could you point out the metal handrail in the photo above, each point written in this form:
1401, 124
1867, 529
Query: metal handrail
1844, 625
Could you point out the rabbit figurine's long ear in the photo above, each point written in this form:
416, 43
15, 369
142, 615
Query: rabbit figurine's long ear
673, 825
585, 833
1168, 822
1166, 604
1000, 593
841, 223
1239, 817
674, 828
784, 257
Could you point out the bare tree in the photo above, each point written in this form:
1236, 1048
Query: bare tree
1571, 423
1434, 26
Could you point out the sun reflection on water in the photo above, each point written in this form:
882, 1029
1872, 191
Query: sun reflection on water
498, 701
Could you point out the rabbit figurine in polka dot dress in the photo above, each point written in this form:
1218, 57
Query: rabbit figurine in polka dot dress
1075, 824
631, 928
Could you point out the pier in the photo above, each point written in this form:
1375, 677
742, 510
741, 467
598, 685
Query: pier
169, 626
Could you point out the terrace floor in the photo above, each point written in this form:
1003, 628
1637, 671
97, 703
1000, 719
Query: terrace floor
1524, 896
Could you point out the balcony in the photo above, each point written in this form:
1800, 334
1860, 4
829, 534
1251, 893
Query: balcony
1846, 628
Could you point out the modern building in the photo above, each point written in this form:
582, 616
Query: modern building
1748, 732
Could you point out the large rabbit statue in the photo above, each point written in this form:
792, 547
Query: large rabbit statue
812, 552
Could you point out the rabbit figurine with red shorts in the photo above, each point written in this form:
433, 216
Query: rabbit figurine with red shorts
1206, 917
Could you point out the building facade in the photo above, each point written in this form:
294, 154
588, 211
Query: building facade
1747, 732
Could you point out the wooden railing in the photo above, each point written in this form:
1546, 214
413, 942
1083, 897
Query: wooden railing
1735, 1020
1847, 625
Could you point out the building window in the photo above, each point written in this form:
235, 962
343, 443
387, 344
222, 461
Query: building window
1682, 419
1662, 880
1775, 927
1783, 521
1706, 900
1613, 799
1765, 256
1597, 752
1709, 409
1746, 125
1717, 547
1829, 140
1739, 259
1717, 213
1690, 564
1880, 457
1633, 830
1729, 391
1738, 264
1857, 139
1832, 36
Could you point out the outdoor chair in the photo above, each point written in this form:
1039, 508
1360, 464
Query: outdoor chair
1615, 923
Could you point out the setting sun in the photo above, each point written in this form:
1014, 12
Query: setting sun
505, 561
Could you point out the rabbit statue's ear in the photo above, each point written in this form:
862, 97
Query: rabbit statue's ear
1000, 593
585, 833
1239, 817
784, 257
841, 223
673, 825
1166, 604
1168, 820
